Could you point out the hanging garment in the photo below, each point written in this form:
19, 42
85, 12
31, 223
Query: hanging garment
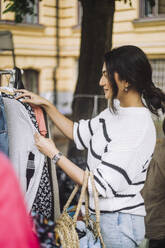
54, 181
48, 179
46, 200
21, 144
15, 224
40, 120
4, 146
43, 202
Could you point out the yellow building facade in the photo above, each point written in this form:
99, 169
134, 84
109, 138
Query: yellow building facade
47, 47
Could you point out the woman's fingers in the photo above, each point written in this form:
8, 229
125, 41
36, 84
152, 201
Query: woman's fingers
23, 95
22, 90
26, 95
30, 97
45, 145
36, 137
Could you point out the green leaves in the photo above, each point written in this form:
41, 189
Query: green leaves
20, 8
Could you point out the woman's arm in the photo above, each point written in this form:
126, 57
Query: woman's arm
48, 147
72, 170
63, 124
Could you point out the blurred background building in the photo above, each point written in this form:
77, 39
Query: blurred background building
46, 47
46, 44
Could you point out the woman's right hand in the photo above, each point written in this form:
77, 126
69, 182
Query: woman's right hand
30, 97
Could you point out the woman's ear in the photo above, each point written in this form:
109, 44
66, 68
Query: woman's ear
126, 84
116, 77
118, 80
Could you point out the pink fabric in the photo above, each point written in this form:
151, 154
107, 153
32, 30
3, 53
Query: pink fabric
40, 119
15, 224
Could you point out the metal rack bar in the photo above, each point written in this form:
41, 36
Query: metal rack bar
12, 73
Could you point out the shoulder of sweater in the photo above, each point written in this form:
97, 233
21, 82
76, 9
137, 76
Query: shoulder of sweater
103, 114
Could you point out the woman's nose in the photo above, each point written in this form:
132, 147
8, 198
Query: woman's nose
101, 82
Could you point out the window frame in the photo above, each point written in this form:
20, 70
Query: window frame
27, 71
154, 16
79, 13
33, 23
23, 22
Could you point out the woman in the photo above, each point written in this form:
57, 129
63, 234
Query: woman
120, 143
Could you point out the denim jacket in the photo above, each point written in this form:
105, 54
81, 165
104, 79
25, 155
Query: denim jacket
4, 147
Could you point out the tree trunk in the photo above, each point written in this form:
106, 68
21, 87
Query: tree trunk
96, 39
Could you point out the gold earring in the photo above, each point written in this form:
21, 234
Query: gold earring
126, 89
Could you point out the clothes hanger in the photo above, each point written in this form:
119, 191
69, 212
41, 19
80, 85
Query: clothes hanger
6, 91
9, 88
15, 80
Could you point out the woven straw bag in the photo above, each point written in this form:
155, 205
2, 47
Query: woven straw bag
65, 227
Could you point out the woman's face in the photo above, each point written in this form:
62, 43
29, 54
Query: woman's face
104, 82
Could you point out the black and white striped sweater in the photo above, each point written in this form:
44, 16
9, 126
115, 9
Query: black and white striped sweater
120, 147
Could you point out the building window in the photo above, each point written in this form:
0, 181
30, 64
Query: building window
34, 18
158, 72
148, 10
158, 77
30, 80
28, 18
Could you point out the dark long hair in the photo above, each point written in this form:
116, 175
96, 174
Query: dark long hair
132, 65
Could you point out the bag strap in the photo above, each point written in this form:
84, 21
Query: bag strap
96, 201
82, 195
75, 190
95, 196
71, 197
86, 218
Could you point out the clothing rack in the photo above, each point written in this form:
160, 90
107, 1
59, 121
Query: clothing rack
12, 73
